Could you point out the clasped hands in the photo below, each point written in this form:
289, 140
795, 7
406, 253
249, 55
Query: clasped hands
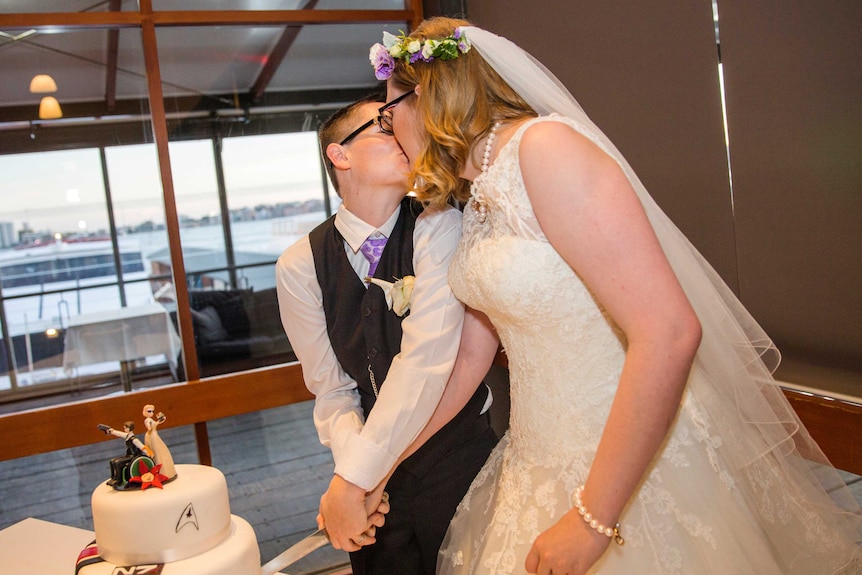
351, 516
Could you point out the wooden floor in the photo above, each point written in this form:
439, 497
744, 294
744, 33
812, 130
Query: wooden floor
275, 468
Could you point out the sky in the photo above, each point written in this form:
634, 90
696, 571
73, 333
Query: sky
63, 190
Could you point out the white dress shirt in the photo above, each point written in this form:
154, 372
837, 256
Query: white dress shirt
365, 451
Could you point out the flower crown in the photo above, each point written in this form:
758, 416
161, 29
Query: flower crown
411, 50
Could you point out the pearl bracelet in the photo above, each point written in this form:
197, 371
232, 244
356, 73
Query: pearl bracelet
613, 532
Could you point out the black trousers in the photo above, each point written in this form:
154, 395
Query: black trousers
423, 498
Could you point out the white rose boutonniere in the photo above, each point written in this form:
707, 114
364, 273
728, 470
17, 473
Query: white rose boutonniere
397, 293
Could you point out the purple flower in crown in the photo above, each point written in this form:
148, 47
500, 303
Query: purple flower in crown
461, 40
382, 62
411, 50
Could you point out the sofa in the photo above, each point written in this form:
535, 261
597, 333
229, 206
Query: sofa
237, 330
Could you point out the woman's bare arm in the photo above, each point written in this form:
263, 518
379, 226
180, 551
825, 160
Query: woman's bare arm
479, 345
594, 219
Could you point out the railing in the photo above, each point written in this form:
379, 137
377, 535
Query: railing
196, 402
835, 424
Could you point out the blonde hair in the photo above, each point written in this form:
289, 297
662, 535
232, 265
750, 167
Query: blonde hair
459, 100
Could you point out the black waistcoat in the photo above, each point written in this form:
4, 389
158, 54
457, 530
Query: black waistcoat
363, 331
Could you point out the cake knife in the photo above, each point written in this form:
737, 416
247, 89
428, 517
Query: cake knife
296, 552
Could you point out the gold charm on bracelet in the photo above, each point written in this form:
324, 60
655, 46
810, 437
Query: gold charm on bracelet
612, 532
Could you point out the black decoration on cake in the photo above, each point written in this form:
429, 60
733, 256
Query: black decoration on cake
188, 517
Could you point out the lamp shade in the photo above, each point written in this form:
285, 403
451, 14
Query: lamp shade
42, 84
49, 108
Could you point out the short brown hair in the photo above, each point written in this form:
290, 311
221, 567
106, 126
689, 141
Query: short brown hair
339, 125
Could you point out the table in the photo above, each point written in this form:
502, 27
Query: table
123, 335
44, 548
36, 546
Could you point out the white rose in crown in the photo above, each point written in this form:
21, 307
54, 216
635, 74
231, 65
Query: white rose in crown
397, 293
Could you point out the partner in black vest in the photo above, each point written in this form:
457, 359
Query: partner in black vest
377, 369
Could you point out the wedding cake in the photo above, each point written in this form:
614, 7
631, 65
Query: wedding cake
155, 517
184, 528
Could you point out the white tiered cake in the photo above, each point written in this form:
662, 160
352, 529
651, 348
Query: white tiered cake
184, 528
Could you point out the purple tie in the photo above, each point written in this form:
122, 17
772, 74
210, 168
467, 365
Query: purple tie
372, 249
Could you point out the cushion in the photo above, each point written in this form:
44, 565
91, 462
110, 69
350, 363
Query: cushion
207, 325
230, 306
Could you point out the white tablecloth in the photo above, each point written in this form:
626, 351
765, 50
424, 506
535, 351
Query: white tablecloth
36, 546
123, 334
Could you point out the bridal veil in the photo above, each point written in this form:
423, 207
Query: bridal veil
770, 454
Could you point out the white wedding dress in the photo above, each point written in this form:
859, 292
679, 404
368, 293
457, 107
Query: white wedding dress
697, 511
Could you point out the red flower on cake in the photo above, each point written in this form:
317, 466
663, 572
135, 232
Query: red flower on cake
149, 477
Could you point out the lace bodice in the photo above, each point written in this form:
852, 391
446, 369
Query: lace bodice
565, 359
506, 268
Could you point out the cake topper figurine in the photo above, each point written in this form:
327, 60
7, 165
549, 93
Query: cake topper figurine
145, 464
161, 454
125, 467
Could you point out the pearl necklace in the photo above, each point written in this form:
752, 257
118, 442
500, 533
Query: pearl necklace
475, 191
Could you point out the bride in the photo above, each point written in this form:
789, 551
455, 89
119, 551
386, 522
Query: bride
647, 434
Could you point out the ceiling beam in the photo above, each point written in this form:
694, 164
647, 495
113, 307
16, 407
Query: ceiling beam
265, 17
179, 105
111, 57
63, 21
276, 56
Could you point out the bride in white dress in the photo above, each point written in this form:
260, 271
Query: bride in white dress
641, 390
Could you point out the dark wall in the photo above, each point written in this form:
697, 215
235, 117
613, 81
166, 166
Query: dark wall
794, 98
646, 73
788, 237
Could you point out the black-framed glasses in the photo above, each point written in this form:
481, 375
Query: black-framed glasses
358, 130
384, 119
